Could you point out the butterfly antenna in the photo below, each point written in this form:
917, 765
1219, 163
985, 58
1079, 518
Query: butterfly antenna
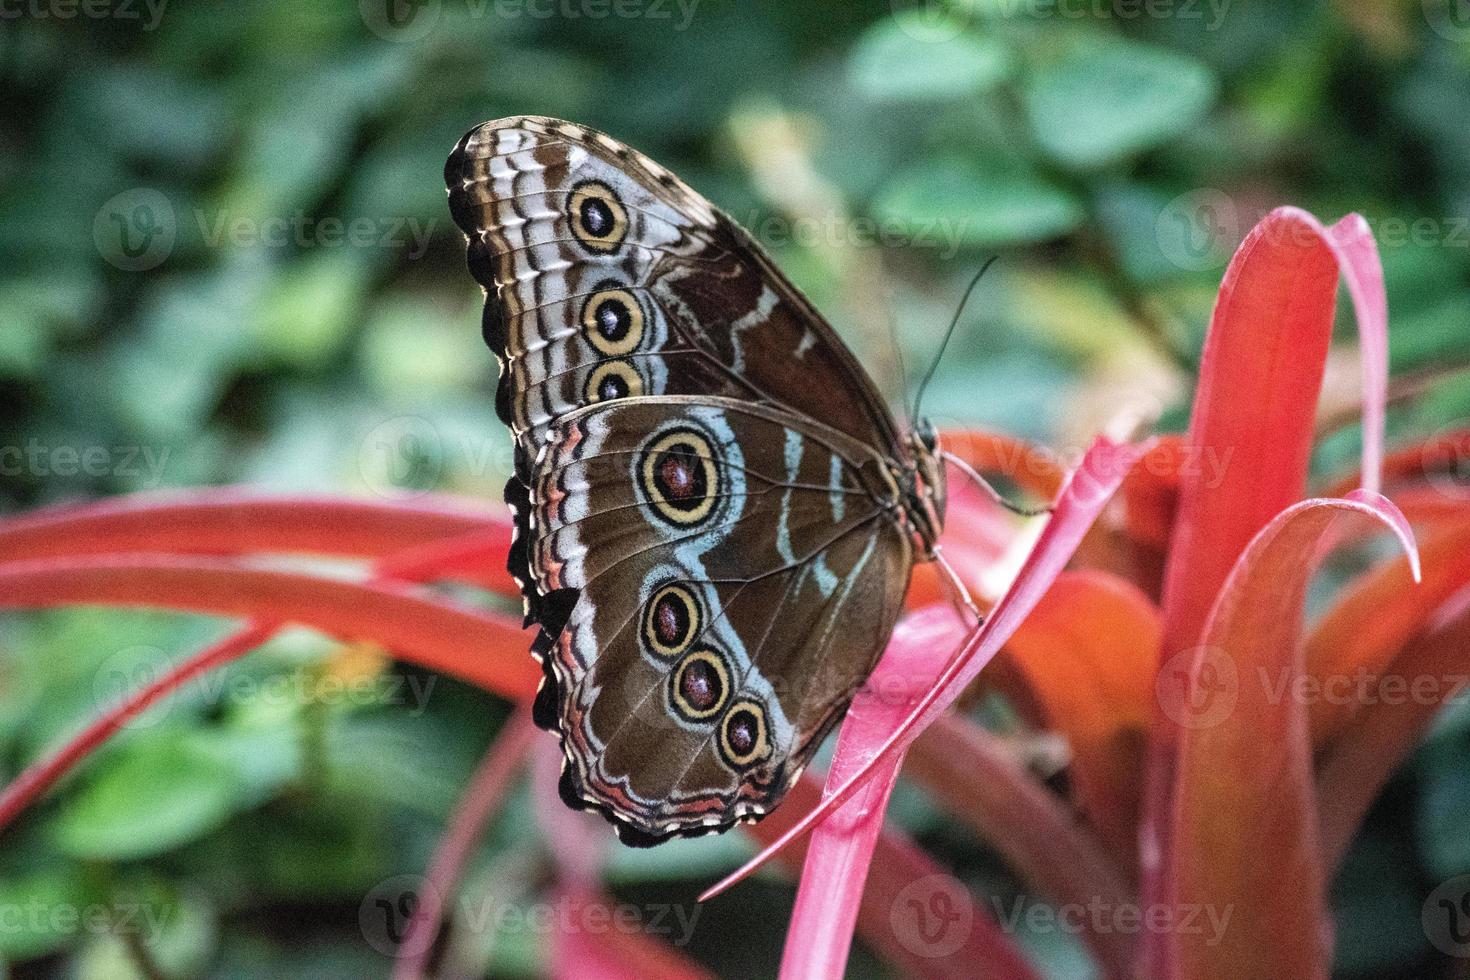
994, 494
959, 594
903, 371
933, 367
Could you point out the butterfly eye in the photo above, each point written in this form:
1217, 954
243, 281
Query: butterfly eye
699, 685
598, 218
613, 379
743, 738
671, 620
612, 320
680, 476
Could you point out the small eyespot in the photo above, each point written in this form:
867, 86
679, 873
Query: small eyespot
612, 320
699, 686
598, 218
671, 620
612, 379
680, 476
743, 738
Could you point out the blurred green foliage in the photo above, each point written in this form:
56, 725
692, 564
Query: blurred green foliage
227, 259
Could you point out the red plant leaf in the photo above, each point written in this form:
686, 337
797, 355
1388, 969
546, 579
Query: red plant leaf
487, 789
1375, 618
1430, 671
981, 784
1254, 417
591, 945
1255, 408
482, 648
837, 858
1087, 655
237, 522
914, 914
1244, 809
1083, 497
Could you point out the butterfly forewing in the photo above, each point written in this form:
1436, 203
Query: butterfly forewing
709, 528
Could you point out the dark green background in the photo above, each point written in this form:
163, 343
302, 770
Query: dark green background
181, 304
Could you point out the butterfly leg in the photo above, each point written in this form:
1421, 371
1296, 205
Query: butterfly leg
990, 491
959, 594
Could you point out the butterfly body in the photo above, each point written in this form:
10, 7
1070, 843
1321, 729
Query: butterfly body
716, 514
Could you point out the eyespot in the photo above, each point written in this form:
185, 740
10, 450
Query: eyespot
743, 739
613, 379
680, 477
699, 686
612, 320
671, 620
598, 218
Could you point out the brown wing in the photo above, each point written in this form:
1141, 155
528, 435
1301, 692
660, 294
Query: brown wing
737, 571
607, 276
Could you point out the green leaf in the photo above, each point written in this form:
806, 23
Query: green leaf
899, 58
307, 314
1110, 100
946, 204
158, 792
44, 911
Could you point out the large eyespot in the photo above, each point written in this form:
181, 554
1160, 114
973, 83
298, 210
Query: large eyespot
671, 620
598, 218
680, 476
612, 320
699, 686
613, 379
743, 739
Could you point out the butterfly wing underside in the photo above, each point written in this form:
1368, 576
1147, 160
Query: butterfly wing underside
712, 568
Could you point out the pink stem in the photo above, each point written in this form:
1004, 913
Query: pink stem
481, 799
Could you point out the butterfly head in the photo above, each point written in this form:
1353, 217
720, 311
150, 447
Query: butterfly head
923, 485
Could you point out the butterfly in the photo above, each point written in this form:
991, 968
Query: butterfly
716, 515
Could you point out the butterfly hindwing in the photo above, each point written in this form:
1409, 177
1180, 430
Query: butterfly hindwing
737, 576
